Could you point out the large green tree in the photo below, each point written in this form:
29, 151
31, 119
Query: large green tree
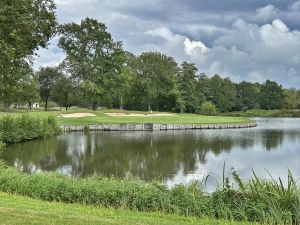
25, 25
271, 96
157, 74
187, 84
125, 79
222, 93
247, 95
93, 58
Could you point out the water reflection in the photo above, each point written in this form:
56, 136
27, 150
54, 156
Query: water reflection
173, 156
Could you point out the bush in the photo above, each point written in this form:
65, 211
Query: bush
2, 145
208, 108
25, 127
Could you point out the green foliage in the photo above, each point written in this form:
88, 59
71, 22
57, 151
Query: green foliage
208, 108
29, 91
2, 144
271, 95
25, 25
187, 87
291, 98
247, 96
93, 58
25, 127
28, 25
130, 194
156, 81
47, 76
265, 201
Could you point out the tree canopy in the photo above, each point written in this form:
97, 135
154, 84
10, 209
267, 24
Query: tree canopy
25, 25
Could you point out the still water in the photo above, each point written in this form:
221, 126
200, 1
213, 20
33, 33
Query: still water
171, 156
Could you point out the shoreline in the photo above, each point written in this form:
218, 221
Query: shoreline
152, 127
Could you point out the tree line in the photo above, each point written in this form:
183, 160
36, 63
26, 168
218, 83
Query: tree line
97, 71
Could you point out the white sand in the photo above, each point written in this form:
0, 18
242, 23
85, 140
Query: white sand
139, 114
77, 115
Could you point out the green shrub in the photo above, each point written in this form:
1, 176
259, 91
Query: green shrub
2, 144
25, 127
208, 108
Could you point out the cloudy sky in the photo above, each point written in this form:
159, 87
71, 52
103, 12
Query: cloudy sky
249, 40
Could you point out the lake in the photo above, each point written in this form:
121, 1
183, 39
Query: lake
171, 156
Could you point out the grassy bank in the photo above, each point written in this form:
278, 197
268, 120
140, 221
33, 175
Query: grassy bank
17, 210
266, 113
102, 118
254, 201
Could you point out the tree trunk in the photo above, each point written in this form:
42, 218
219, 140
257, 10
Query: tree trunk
149, 107
30, 105
6, 106
95, 106
121, 103
46, 104
66, 101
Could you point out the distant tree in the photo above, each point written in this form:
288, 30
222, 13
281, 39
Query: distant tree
47, 77
247, 95
271, 96
29, 91
125, 78
291, 98
63, 92
156, 80
222, 93
187, 84
203, 88
25, 25
93, 58
208, 108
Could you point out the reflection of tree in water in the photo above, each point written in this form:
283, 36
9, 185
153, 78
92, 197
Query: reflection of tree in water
272, 139
144, 155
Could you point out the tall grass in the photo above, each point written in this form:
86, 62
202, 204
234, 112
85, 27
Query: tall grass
20, 128
260, 200
257, 200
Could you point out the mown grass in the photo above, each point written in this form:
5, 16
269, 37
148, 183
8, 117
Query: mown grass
266, 113
102, 118
17, 210
258, 200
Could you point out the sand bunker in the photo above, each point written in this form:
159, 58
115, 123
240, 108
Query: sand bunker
139, 114
77, 115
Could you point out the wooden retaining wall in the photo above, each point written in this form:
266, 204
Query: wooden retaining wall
152, 127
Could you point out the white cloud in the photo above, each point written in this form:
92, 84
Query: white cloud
266, 13
194, 47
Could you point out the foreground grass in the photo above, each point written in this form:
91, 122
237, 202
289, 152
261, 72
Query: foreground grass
102, 118
16, 210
